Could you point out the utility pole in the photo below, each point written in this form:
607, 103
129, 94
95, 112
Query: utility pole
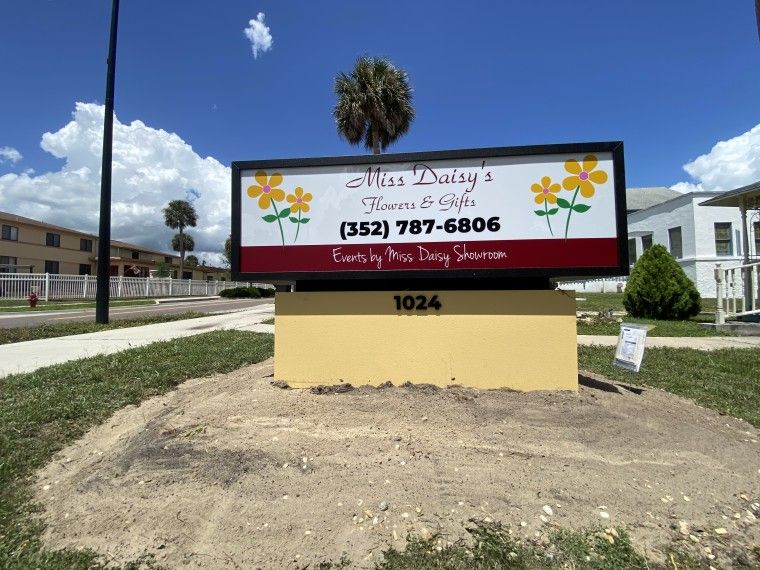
104, 235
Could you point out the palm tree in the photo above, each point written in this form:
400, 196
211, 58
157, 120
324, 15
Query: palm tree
178, 215
374, 103
182, 243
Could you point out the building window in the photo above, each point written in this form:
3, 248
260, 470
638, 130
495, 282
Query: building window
187, 275
756, 230
135, 255
53, 240
84, 269
51, 266
631, 251
168, 259
676, 246
646, 242
85, 245
8, 264
723, 241
10, 233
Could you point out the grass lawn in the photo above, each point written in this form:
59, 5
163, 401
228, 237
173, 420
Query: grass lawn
597, 302
610, 326
45, 410
594, 302
492, 547
19, 306
21, 334
725, 380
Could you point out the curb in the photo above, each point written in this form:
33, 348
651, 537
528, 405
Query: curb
184, 299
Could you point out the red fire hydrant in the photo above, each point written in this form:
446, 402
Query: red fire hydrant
33, 299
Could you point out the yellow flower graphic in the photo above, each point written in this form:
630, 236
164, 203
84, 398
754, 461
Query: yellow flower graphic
545, 192
267, 189
584, 176
299, 200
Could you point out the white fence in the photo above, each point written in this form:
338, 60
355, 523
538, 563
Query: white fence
605, 285
54, 287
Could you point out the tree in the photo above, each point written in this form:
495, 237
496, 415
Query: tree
228, 251
178, 215
191, 261
374, 103
659, 289
183, 243
163, 269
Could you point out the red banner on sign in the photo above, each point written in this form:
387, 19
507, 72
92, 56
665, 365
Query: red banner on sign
467, 255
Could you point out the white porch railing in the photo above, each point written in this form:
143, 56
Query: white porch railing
69, 287
737, 291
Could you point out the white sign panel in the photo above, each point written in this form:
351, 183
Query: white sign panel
431, 212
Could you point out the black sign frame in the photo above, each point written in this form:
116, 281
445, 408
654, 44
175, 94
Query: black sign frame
454, 275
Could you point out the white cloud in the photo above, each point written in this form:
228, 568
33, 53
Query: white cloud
729, 164
150, 168
258, 34
9, 154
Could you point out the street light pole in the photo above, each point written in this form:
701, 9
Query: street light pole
104, 235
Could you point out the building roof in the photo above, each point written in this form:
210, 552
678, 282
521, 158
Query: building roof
735, 198
38, 223
126, 245
114, 243
643, 198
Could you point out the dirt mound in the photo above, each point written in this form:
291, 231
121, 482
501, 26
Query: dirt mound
231, 471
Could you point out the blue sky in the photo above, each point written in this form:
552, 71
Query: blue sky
670, 79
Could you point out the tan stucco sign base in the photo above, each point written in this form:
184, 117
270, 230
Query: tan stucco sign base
523, 340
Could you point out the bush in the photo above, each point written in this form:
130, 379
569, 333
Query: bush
241, 293
246, 293
659, 289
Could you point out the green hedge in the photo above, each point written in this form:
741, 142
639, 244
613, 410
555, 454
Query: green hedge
246, 293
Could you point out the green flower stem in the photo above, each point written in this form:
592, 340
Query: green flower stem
277, 213
298, 227
570, 213
548, 221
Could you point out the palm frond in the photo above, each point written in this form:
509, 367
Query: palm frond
375, 97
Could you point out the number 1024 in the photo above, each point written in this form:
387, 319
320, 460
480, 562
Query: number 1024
416, 303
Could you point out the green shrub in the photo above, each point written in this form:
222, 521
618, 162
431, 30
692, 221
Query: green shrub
246, 293
267, 292
659, 289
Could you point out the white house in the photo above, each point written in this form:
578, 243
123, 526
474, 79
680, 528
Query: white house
698, 237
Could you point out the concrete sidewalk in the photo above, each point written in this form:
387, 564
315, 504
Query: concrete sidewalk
695, 342
28, 356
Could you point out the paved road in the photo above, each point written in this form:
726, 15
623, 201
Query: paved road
9, 320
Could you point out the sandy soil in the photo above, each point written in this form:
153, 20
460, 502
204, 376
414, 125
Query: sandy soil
231, 471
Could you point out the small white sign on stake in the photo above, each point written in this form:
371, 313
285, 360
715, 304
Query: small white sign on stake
630, 347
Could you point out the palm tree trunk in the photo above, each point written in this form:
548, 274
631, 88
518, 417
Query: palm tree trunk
181, 253
375, 141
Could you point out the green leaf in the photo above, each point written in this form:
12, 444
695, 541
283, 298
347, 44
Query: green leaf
562, 203
269, 218
540, 212
553, 211
580, 208
294, 220
305, 220
285, 212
